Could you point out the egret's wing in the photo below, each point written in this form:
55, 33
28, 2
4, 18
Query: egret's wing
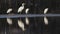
21, 8
9, 10
45, 11
27, 10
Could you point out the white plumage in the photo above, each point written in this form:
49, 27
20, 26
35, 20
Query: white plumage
26, 11
45, 11
21, 8
21, 25
9, 10
9, 21
45, 18
26, 19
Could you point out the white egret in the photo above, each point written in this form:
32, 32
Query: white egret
26, 19
20, 23
26, 11
45, 18
45, 11
21, 8
9, 10
9, 21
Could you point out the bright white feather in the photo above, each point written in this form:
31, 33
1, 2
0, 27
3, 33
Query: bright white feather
21, 25
26, 19
27, 10
9, 21
45, 11
21, 8
45, 18
9, 10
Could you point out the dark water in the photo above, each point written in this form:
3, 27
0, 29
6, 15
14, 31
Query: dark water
36, 25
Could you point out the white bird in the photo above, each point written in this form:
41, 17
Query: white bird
21, 25
26, 11
9, 21
45, 11
26, 19
21, 8
45, 18
9, 10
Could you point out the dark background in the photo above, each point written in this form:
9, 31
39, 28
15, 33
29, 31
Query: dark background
36, 25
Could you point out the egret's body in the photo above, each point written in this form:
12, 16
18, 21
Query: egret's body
45, 11
20, 23
26, 19
26, 11
9, 10
9, 21
21, 8
45, 18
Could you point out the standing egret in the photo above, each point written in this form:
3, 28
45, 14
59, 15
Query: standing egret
9, 10
9, 21
45, 18
20, 23
45, 11
21, 8
26, 11
26, 19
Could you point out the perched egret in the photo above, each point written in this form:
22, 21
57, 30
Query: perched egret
26, 19
26, 11
9, 10
21, 8
45, 11
9, 21
45, 18
20, 23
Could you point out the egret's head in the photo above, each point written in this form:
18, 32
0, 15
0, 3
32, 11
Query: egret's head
23, 4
